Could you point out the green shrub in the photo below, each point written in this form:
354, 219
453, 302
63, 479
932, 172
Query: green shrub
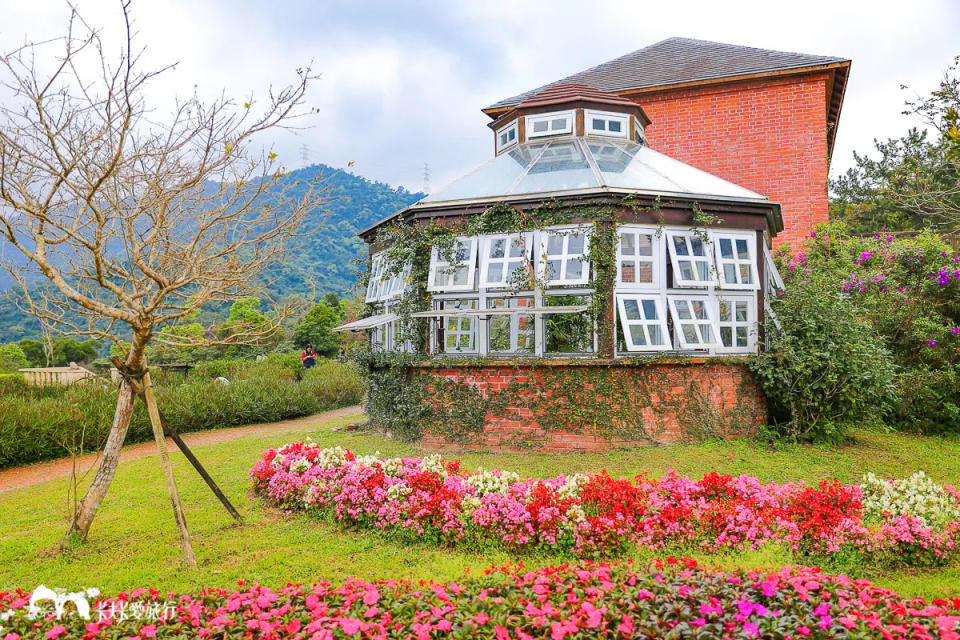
908, 289
42, 423
824, 367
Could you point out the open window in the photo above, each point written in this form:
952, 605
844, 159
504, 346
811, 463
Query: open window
504, 260
566, 331
694, 322
643, 321
563, 256
400, 281
691, 259
737, 322
458, 273
736, 260
377, 285
638, 258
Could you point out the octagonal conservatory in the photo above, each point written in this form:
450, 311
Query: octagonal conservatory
590, 331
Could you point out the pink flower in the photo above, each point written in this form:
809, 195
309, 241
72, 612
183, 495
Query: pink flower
56, 632
371, 597
751, 629
350, 626
150, 630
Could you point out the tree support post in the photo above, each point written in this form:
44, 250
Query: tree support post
158, 435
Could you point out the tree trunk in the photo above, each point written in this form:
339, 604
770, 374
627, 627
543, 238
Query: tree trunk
87, 509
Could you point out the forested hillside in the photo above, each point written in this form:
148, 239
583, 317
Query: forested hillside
323, 260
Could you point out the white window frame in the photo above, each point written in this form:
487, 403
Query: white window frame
655, 260
709, 305
660, 321
750, 323
400, 282
530, 124
607, 117
506, 130
564, 257
514, 319
437, 262
687, 236
639, 134
376, 284
486, 242
441, 349
717, 239
772, 273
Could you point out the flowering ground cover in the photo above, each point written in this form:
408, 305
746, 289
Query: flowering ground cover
672, 599
914, 522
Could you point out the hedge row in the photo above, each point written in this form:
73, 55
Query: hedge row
40, 424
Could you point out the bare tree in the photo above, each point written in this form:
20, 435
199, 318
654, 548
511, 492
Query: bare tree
135, 220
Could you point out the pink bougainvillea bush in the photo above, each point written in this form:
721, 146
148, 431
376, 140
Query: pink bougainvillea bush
673, 599
597, 515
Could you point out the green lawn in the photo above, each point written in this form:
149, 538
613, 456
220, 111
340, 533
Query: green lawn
134, 543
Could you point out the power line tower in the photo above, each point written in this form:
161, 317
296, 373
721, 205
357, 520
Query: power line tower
305, 154
426, 178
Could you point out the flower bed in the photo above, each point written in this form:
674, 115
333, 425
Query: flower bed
597, 515
666, 600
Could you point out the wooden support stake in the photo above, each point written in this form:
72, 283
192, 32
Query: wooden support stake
178, 513
170, 432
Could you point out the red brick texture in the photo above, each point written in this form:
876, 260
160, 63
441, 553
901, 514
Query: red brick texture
676, 401
769, 136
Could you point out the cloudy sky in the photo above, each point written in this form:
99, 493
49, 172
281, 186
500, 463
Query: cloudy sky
403, 82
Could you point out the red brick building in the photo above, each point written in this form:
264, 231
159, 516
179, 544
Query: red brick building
630, 320
765, 120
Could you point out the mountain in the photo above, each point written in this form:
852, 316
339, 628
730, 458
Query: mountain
324, 261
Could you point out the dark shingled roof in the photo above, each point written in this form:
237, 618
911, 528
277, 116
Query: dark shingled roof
679, 60
571, 92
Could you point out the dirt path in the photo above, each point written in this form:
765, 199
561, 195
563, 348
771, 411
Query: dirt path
18, 477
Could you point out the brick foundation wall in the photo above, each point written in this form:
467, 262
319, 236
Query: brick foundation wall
675, 402
768, 135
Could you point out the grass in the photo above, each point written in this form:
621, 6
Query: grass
134, 543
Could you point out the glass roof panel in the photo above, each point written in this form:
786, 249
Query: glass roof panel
493, 178
563, 166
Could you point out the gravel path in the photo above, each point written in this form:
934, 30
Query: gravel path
19, 477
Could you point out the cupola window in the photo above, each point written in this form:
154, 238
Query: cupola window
550, 124
602, 123
507, 136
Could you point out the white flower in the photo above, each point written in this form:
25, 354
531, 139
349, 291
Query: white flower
435, 464
300, 465
917, 496
485, 482
398, 491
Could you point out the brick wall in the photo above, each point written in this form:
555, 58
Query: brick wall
768, 136
690, 397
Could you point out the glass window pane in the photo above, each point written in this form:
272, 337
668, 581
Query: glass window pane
724, 310
460, 278
465, 323
615, 126
742, 252
686, 270
696, 243
517, 248
645, 272
741, 336
554, 244
540, 126
729, 273
553, 269
631, 309
656, 336
645, 244
637, 334
690, 334
649, 309
683, 311
627, 244
699, 309
726, 336
742, 311
495, 272
576, 243
745, 274
497, 247
726, 249
707, 331
680, 246
574, 268
559, 124
628, 272
598, 124
703, 270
